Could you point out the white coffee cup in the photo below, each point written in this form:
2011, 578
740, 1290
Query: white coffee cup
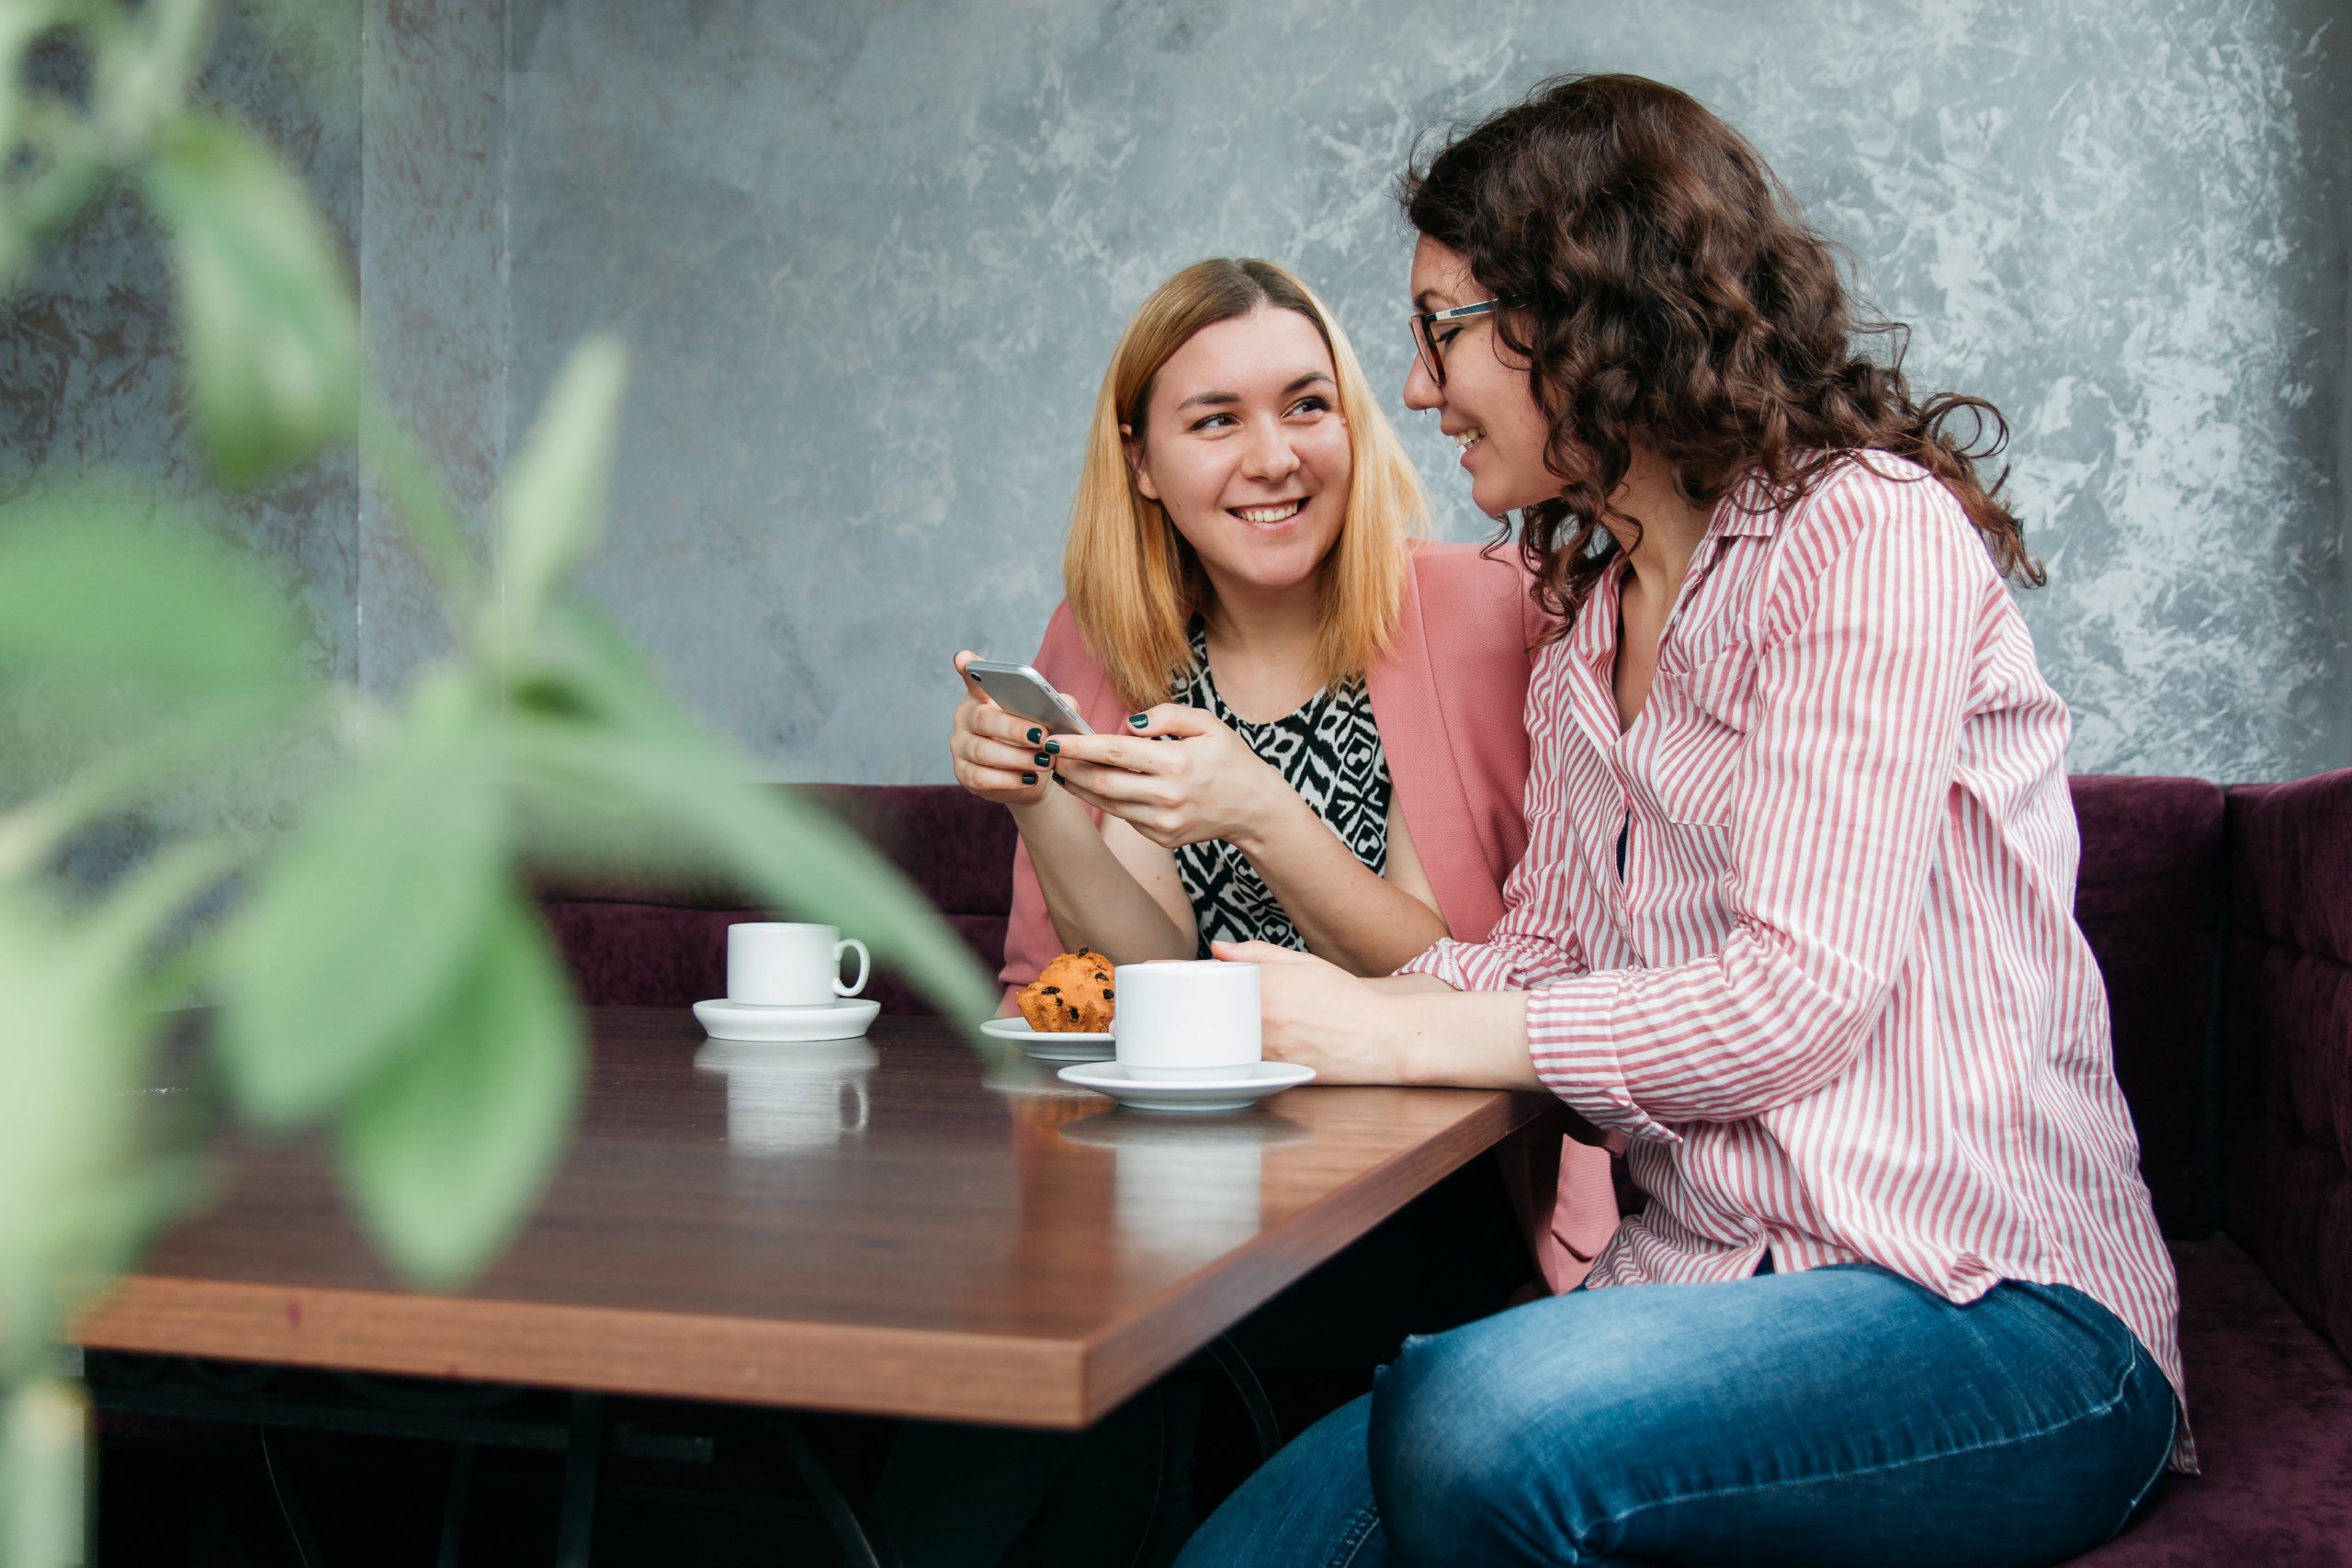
1185, 1018
776, 963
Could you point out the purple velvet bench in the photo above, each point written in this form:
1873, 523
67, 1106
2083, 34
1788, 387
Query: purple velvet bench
2224, 926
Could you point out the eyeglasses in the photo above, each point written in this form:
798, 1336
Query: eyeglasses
1425, 326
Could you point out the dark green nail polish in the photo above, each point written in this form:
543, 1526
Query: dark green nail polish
1028, 778
1035, 736
1139, 719
1044, 761
1055, 747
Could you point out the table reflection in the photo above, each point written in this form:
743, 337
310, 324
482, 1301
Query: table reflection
1186, 1186
804, 1098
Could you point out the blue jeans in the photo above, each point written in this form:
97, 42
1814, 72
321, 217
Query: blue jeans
1837, 1415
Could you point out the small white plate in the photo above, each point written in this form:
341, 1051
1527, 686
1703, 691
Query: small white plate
843, 1019
1054, 1047
1225, 1091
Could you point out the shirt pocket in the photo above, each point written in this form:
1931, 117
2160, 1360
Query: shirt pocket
1700, 757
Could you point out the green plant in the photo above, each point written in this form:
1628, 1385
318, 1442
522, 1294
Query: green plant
375, 963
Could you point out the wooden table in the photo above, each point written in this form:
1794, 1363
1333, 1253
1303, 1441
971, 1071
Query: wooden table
907, 1227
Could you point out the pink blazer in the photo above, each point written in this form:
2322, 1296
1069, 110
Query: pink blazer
1450, 700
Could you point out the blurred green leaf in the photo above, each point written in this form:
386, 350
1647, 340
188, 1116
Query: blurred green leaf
388, 456
585, 666
683, 786
143, 61
78, 1196
50, 151
598, 738
44, 1471
446, 1150
271, 329
67, 1057
119, 931
593, 729
69, 768
368, 913
554, 494
317, 43
21, 23
94, 583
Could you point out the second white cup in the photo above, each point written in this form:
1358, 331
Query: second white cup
777, 963
1185, 1018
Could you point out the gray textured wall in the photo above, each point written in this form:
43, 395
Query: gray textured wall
89, 379
89, 376
871, 259
432, 264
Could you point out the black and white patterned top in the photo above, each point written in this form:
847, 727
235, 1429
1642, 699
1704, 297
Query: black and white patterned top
1330, 752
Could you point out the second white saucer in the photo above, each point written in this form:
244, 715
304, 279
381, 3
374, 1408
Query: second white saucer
1058, 1046
844, 1020
1225, 1091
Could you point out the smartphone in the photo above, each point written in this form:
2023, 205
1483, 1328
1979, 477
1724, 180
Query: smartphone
1018, 689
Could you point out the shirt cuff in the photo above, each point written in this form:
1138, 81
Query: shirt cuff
1467, 966
1573, 1046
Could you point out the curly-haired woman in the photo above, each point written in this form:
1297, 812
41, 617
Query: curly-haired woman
1795, 919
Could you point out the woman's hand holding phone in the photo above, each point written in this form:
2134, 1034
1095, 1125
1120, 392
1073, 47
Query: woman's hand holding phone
999, 756
1177, 776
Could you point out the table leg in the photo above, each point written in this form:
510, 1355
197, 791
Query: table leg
1244, 1378
581, 1462
857, 1551
297, 1523
453, 1511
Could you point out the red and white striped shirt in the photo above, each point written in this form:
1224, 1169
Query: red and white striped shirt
1838, 1004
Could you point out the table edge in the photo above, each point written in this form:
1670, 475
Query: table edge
1060, 1383
1124, 1360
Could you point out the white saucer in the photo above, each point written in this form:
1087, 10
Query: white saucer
843, 1019
1054, 1047
1225, 1091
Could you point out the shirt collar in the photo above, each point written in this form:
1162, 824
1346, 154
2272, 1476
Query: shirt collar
1747, 511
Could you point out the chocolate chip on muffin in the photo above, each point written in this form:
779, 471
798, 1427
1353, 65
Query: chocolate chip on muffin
1072, 997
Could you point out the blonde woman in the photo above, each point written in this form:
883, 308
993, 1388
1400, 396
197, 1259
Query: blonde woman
1307, 715
1308, 732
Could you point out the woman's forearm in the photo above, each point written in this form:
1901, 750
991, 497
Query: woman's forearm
1349, 913
1092, 900
1403, 1031
1466, 1039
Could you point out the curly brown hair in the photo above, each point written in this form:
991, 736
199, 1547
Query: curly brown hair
1669, 293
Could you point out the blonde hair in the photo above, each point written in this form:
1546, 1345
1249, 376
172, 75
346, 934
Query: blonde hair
1134, 583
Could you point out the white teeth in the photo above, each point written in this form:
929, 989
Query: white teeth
1469, 438
1268, 514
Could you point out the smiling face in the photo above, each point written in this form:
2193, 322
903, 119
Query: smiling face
1245, 449
1487, 403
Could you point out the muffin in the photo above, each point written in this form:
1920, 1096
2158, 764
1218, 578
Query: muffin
1072, 997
